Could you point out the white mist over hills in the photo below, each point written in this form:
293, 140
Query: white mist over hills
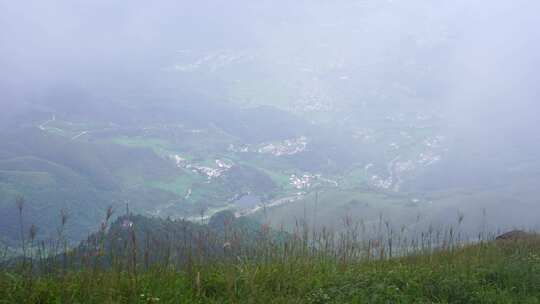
430, 102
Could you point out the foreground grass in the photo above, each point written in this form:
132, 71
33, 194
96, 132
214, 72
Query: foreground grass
503, 272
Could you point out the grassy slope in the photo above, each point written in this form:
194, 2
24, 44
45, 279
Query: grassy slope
492, 273
53, 173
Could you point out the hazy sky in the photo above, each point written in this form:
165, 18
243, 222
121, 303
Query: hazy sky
478, 60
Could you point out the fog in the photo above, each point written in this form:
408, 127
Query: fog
472, 64
480, 56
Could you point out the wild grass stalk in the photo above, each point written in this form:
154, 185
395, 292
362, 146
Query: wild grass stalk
230, 259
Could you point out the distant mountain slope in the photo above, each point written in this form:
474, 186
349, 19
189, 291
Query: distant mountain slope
53, 173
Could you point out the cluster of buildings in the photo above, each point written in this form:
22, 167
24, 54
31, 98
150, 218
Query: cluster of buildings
283, 148
209, 172
397, 168
301, 182
428, 158
435, 142
381, 183
305, 181
286, 147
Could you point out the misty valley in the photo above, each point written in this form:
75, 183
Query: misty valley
269, 152
219, 158
194, 157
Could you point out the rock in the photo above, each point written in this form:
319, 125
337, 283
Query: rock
514, 235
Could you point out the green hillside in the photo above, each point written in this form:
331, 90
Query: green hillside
142, 260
